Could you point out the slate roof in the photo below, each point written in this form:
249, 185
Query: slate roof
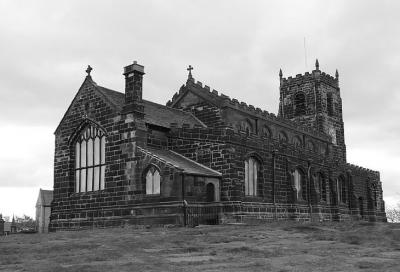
187, 166
46, 197
155, 114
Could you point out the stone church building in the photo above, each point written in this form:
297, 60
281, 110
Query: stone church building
207, 158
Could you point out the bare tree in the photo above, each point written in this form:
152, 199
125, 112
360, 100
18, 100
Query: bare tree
393, 214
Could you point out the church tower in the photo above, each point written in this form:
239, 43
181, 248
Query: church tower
313, 99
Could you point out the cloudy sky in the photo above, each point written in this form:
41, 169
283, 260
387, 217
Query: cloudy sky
235, 47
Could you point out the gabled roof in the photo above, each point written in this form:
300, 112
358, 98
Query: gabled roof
154, 114
45, 197
179, 162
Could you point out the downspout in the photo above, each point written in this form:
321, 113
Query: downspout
309, 188
184, 203
273, 181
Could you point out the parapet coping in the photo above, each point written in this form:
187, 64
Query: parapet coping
250, 109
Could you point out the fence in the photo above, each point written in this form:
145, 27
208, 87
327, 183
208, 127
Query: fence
205, 214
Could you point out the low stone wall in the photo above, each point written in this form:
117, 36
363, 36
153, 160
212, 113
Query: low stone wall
177, 213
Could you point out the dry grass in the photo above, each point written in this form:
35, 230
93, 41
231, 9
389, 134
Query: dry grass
278, 246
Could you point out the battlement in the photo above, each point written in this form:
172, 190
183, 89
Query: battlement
362, 171
315, 75
224, 100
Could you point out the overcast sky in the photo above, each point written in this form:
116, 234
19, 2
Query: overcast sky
235, 47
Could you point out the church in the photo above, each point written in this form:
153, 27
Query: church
206, 158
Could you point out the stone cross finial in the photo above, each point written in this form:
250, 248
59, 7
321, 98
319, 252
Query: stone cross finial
88, 70
190, 68
337, 74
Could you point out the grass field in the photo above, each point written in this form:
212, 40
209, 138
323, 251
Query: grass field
278, 246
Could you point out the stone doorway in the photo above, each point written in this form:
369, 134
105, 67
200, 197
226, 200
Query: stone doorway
210, 191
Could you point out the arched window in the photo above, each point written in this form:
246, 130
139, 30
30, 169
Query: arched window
310, 146
330, 104
266, 132
298, 183
299, 104
152, 181
282, 137
250, 176
90, 160
247, 127
296, 142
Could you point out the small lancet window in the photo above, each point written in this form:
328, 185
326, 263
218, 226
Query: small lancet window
250, 176
90, 160
152, 181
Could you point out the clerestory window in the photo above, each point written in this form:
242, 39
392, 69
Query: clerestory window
90, 160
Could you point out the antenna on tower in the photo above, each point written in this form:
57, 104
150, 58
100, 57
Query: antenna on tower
305, 54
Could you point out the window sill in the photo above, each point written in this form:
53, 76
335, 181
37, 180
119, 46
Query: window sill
88, 193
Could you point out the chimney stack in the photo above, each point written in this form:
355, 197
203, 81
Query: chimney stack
133, 89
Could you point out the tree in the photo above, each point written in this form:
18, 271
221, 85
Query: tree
25, 222
393, 214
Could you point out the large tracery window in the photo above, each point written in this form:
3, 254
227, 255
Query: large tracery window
152, 181
90, 160
250, 176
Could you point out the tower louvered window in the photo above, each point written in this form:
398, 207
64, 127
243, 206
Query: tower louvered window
330, 104
90, 160
299, 104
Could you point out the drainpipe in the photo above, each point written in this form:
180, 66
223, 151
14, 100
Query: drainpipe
309, 188
273, 181
183, 199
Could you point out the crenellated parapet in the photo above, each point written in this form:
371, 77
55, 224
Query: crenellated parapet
222, 100
315, 75
362, 171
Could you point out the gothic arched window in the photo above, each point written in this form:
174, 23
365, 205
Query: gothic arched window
282, 137
266, 132
250, 176
299, 104
90, 160
246, 127
330, 104
310, 146
152, 181
298, 184
296, 142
